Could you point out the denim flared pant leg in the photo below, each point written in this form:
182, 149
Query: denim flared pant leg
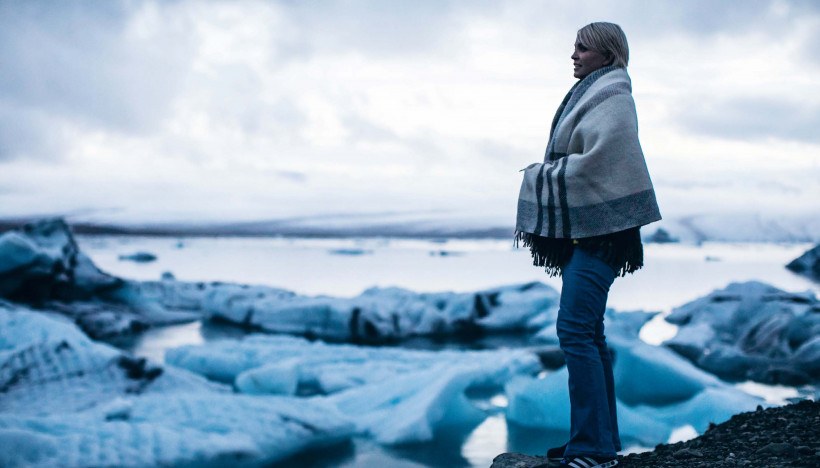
593, 419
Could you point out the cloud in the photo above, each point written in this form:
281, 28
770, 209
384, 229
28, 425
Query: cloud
362, 129
375, 27
809, 46
753, 118
700, 17
90, 63
293, 176
303, 107
28, 133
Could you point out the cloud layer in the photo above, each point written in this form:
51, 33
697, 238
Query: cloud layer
165, 111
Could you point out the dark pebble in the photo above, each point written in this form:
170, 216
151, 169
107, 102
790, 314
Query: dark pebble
751, 439
804, 450
688, 453
777, 448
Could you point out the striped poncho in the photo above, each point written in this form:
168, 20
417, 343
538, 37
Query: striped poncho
594, 180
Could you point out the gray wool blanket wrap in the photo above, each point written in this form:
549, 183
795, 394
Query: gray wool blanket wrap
594, 178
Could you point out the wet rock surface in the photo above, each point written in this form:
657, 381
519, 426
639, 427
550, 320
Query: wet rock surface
785, 436
774, 437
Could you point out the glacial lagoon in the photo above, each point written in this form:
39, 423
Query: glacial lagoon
674, 274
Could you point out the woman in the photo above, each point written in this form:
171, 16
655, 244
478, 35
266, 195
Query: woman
580, 212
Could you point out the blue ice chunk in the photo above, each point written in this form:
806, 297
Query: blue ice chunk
544, 403
654, 375
714, 404
69, 401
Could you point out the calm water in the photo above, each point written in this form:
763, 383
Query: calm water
673, 275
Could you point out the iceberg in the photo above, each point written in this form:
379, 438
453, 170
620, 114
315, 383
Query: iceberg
42, 266
750, 331
66, 400
383, 314
392, 395
42, 261
139, 257
657, 391
413, 407
712, 405
193, 429
807, 264
654, 375
544, 404
328, 368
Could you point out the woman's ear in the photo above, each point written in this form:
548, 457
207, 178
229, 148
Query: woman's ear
610, 59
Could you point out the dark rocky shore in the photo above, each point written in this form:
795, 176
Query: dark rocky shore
784, 436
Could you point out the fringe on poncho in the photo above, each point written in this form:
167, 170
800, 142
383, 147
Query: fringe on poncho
623, 250
593, 189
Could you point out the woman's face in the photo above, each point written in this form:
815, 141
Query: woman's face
587, 61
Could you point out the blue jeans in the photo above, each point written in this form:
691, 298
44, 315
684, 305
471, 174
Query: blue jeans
593, 418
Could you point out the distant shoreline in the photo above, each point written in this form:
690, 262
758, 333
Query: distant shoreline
250, 230
335, 228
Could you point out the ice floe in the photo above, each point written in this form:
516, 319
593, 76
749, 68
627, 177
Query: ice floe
43, 266
657, 391
46, 268
42, 261
139, 257
544, 403
654, 375
66, 400
807, 264
751, 331
393, 395
381, 314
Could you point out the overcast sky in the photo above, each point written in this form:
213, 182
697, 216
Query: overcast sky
142, 111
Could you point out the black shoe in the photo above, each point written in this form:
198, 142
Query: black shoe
588, 462
553, 458
556, 454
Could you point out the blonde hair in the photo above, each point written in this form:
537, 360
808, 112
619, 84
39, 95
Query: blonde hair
608, 39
